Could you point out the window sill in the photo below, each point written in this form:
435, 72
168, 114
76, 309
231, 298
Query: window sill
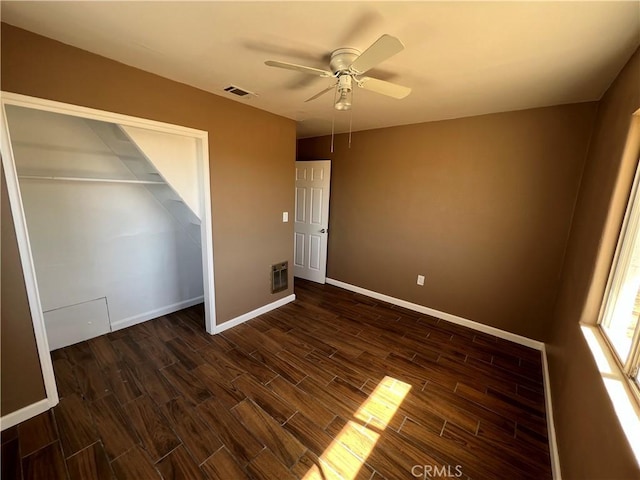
623, 394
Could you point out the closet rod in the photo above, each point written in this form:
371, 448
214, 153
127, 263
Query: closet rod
89, 179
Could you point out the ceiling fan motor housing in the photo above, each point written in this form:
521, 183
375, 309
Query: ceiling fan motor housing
342, 59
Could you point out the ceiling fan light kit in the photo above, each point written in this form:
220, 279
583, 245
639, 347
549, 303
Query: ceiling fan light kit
345, 93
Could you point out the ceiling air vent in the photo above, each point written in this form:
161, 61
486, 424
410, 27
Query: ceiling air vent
239, 91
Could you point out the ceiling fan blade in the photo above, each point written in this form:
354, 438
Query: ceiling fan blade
385, 47
299, 68
321, 93
385, 88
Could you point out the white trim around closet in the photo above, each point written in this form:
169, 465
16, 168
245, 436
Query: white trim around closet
29, 272
202, 142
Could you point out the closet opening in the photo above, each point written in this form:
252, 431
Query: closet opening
112, 216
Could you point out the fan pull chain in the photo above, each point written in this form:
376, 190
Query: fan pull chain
351, 118
333, 116
333, 122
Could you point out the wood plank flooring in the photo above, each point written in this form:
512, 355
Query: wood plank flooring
334, 385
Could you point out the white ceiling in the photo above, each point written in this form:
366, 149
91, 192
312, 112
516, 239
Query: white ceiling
461, 58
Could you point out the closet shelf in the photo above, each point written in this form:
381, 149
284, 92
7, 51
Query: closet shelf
90, 179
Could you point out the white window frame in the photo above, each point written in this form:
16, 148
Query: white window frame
621, 260
617, 376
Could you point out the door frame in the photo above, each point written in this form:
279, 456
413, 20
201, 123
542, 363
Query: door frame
28, 267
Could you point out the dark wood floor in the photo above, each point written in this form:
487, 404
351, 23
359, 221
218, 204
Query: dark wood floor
333, 385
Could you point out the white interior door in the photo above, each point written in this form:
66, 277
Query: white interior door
311, 221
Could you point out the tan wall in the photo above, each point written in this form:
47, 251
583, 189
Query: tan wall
591, 441
21, 377
251, 152
481, 206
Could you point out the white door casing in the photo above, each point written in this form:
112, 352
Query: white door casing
311, 220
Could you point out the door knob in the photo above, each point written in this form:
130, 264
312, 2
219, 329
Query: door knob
324, 230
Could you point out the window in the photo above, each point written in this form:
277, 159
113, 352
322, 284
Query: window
615, 340
619, 317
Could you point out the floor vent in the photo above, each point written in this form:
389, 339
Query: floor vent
279, 277
238, 91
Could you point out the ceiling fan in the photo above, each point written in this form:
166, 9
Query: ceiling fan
347, 67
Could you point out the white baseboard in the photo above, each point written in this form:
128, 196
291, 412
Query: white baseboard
527, 342
158, 312
551, 429
25, 413
253, 314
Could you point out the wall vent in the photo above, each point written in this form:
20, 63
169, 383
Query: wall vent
239, 91
279, 277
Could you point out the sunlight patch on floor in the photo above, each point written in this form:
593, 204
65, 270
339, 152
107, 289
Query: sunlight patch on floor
344, 457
